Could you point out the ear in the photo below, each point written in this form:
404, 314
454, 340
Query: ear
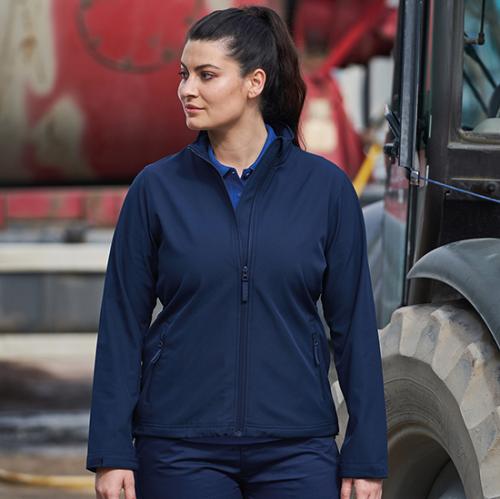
255, 83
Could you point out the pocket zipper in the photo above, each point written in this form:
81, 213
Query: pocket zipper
316, 348
317, 360
150, 368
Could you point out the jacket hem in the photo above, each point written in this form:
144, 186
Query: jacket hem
229, 430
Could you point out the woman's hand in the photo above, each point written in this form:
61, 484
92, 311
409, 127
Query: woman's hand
110, 481
366, 488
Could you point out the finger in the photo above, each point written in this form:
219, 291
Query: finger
105, 494
375, 493
363, 489
345, 491
129, 486
111, 493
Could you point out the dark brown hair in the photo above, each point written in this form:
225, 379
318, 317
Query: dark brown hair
257, 37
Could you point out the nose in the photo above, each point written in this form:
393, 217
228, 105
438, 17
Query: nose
188, 88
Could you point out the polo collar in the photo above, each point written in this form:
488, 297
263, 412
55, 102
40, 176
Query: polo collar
284, 135
225, 169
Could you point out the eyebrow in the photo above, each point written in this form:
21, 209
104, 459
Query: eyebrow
201, 66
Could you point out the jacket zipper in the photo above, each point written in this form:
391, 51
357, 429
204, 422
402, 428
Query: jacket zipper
244, 320
243, 268
244, 282
244, 277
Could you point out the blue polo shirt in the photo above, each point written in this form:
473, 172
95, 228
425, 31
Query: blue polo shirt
234, 183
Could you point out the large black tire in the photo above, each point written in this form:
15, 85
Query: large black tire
442, 389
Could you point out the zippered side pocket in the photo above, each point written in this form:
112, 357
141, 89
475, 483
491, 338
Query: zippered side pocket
150, 368
319, 367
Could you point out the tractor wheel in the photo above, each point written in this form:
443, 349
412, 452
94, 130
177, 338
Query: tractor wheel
442, 389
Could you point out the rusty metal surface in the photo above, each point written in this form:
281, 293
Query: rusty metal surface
88, 89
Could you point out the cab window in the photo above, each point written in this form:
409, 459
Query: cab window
481, 70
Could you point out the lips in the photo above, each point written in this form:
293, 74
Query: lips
192, 108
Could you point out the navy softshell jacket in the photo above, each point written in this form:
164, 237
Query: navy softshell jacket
238, 348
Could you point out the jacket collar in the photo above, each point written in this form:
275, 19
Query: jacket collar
284, 135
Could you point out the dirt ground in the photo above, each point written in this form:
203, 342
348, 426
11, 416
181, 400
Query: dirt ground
45, 385
65, 463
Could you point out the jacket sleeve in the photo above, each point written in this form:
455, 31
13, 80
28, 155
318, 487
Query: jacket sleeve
349, 311
127, 303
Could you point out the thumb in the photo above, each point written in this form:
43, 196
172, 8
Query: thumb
345, 492
129, 486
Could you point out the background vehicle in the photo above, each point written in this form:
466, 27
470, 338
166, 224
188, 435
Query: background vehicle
437, 273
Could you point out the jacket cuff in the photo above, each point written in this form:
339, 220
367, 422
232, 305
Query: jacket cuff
362, 470
94, 462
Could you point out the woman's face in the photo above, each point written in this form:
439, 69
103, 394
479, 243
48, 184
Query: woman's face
211, 81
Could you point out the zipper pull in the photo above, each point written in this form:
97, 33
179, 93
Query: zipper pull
156, 356
244, 284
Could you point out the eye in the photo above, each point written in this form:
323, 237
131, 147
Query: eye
204, 74
182, 74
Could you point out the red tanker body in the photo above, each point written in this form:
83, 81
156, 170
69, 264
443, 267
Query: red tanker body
107, 103
88, 93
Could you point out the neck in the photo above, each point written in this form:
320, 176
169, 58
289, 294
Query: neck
240, 145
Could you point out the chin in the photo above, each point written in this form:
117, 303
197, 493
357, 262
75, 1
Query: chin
192, 125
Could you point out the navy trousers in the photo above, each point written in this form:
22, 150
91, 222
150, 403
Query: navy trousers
292, 468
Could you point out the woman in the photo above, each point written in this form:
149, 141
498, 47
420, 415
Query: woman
226, 394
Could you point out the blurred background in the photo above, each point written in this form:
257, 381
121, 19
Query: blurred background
87, 99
